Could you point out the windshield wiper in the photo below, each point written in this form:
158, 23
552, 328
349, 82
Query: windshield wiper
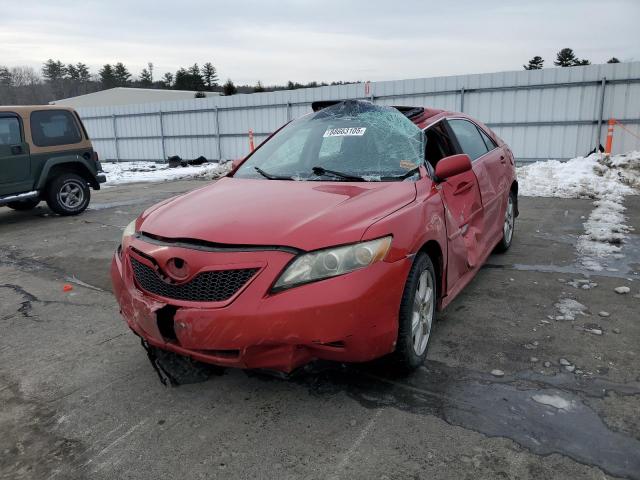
410, 173
323, 171
270, 176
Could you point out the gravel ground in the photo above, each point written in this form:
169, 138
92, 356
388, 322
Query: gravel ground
508, 391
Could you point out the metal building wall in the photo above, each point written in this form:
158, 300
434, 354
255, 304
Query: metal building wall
550, 113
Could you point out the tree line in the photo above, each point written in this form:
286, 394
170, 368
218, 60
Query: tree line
24, 85
564, 58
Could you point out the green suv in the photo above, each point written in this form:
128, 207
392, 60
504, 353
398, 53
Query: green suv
46, 154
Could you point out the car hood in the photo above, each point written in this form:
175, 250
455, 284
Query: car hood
305, 215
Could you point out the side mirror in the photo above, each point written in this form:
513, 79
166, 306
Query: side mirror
452, 166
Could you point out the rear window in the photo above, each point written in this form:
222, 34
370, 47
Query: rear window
54, 127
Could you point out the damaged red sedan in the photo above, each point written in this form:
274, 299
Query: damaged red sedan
337, 239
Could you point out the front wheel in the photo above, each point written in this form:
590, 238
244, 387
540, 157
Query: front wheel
509, 224
23, 205
68, 194
417, 314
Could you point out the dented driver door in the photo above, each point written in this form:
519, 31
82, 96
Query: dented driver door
464, 219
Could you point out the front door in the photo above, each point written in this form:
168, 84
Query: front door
15, 168
465, 225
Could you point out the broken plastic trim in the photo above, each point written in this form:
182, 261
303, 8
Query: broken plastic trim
205, 246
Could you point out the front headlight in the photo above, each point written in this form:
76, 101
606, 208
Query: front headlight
332, 262
128, 231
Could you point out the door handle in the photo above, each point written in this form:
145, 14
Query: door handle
16, 149
502, 159
463, 187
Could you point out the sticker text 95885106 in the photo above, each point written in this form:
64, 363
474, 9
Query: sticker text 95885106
345, 132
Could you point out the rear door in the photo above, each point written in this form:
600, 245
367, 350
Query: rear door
486, 161
15, 166
462, 205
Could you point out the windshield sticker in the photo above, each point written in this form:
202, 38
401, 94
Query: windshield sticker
407, 165
345, 132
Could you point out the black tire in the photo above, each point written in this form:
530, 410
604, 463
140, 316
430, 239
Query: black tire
68, 194
24, 205
406, 356
509, 216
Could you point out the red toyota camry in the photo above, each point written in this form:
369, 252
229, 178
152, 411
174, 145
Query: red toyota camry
338, 239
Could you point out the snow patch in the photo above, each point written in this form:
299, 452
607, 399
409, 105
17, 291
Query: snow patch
569, 308
555, 401
134, 172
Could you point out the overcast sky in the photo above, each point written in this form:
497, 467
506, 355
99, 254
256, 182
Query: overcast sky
324, 40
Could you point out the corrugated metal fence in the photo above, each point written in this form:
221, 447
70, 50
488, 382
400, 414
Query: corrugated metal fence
551, 113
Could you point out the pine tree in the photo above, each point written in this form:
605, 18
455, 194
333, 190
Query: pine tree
229, 88
83, 72
581, 61
534, 64
258, 88
167, 79
72, 72
195, 78
565, 58
107, 76
121, 74
5, 77
613, 60
209, 75
182, 80
146, 78
53, 70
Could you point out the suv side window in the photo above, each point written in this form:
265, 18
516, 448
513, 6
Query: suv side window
469, 138
54, 127
10, 131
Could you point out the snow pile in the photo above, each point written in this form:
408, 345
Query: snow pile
133, 172
605, 179
581, 177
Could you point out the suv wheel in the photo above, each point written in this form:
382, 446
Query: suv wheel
68, 194
417, 315
24, 204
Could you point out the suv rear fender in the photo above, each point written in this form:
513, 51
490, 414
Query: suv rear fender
68, 163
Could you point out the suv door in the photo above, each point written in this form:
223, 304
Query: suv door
15, 165
488, 163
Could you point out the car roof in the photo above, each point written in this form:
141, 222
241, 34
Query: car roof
26, 109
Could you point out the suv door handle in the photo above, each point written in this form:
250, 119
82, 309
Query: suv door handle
16, 149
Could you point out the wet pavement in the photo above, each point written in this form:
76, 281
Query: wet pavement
80, 400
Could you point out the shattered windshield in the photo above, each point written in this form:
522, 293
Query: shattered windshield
352, 140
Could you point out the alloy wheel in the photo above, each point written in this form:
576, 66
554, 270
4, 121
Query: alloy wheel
422, 316
507, 230
71, 194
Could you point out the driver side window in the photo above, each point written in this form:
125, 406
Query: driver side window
439, 144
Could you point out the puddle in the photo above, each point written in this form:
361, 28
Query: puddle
541, 413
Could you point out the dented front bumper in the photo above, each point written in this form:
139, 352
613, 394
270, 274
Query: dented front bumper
350, 318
